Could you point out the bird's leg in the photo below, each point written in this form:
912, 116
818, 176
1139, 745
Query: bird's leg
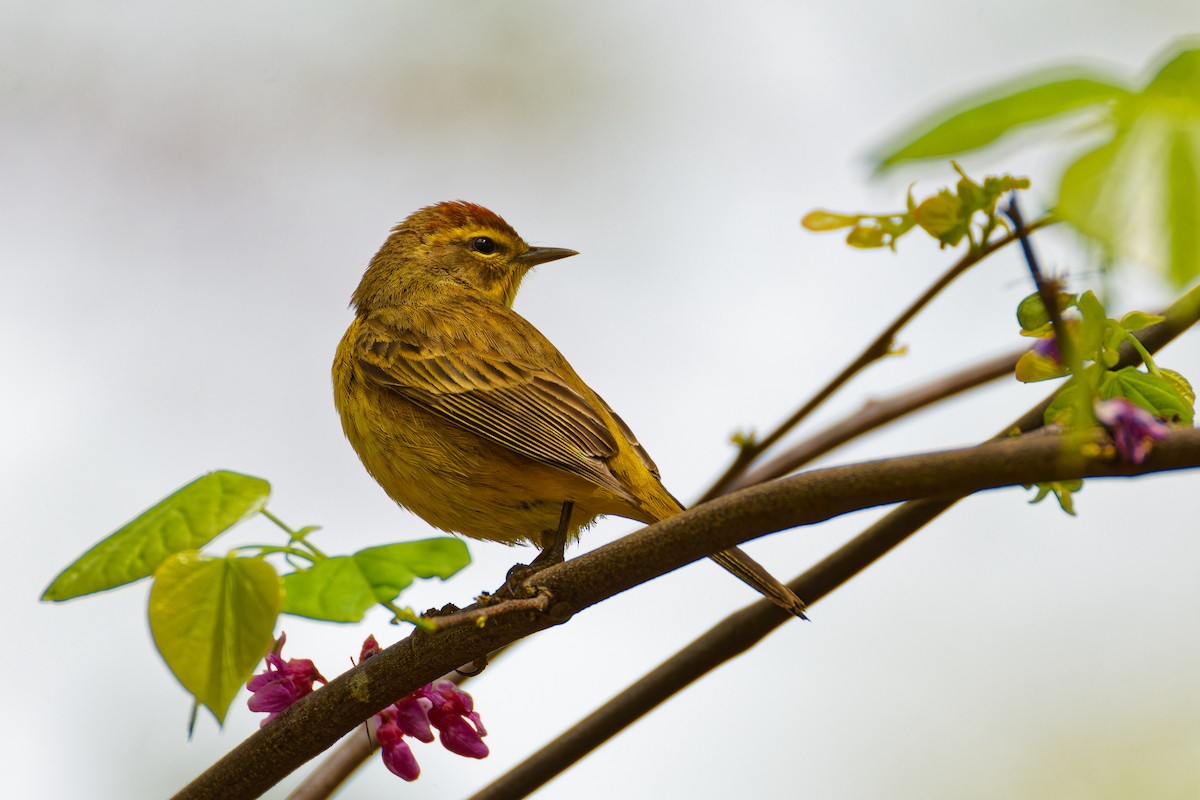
555, 551
552, 553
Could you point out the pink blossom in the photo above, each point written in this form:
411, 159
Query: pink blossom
281, 683
370, 648
453, 714
1048, 348
440, 705
1131, 426
412, 715
397, 755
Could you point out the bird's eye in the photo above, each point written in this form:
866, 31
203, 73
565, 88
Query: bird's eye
483, 244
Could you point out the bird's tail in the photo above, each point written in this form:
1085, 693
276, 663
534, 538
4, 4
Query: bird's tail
755, 574
661, 504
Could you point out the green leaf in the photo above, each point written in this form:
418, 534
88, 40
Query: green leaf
212, 620
942, 216
1092, 325
1063, 492
1179, 77
1067, 406
1138, 195
744, 440
1032, 314
1175, 94
866, 236
1183, 207
1155, 393
1032, 368
1114, 336
971, 193
983, 117
822, 220
1137, 320
1089, 196
187, 519
439, 557
333, 589
1181, 384
342, 588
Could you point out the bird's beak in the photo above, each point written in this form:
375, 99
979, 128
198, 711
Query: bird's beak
540, 255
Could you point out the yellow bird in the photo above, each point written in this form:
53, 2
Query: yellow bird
469, 417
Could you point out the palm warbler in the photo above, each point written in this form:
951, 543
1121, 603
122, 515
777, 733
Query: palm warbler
469, 417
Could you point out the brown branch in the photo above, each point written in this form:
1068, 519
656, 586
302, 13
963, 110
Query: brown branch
745, 628
354, 751
874, 415
235, 776
731, 637
877, 349
316, 722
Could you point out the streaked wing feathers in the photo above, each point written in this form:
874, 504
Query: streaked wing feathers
533, 412
637, 446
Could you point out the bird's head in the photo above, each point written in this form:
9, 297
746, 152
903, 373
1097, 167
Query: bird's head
452, 245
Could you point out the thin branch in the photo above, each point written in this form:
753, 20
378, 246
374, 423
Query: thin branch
1047, 290
479, 615
742, 630
316, 722
877, 413
874, 351
353, 751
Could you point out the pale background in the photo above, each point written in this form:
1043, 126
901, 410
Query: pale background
191, 191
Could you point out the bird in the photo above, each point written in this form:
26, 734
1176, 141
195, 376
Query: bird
467, 415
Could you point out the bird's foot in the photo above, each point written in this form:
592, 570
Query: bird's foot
516, 582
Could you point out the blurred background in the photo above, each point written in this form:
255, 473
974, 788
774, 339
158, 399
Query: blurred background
191, 192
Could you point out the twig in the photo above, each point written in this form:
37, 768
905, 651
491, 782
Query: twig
480, 614
874, 351
877, 413
1046, 289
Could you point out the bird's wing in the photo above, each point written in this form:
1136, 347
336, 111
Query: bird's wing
644, 456
509, 387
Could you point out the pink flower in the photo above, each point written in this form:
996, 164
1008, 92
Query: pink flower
370, 648
397, 755
412, 715
453, 714
1048, 348
440, 705
281, 683
1131, 426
